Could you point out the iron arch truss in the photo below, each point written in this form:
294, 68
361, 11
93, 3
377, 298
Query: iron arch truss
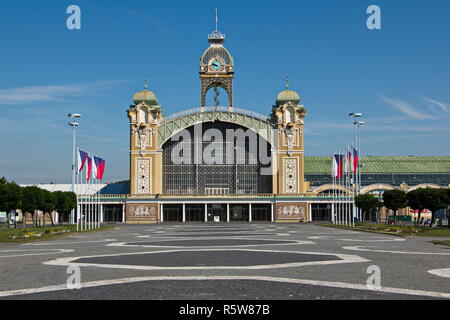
248, 119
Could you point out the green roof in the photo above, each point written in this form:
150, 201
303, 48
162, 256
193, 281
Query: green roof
385, 164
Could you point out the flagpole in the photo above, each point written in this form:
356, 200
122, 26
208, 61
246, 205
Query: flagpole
96, 203
83, 209
76, 185
347, 196
333, 220
90, 195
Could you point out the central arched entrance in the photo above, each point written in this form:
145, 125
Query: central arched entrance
197, 161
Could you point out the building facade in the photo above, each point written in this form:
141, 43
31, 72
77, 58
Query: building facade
225, 164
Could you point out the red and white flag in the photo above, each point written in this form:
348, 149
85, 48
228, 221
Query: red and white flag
89, 168
338, 165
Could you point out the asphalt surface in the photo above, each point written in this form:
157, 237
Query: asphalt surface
226, 261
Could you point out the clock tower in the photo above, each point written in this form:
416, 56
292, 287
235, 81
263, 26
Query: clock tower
216, 69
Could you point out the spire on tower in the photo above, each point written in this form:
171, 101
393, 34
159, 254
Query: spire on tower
216, 37
287, 82
217, 21
146, 83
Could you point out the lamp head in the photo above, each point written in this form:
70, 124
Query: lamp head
74, 115
74, 124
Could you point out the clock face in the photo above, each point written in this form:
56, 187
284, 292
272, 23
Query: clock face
216, 65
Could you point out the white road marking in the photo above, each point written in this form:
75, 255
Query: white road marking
360, 248
73, 242
331, 284
356, 240
70, 261
444, 272
286, 243
34, 252
192, 235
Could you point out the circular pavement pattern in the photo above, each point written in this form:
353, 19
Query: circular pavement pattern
218, 234
212, 290
207, 258
208, 243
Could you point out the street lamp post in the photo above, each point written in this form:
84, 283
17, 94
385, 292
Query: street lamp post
358, 124
357, 174
74, 125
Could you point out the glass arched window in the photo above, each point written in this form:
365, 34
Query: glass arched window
290, 115
143, 115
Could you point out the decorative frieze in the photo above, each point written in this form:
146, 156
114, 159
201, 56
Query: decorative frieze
290, 175
143, 176
290, 211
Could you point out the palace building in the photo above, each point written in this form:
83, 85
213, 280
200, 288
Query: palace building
226, 164
217, 163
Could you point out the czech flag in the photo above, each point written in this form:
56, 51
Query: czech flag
338, 165
89, 168
355, 160
348, 160
82, 157
99, 165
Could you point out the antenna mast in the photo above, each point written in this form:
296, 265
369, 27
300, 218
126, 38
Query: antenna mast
217, 21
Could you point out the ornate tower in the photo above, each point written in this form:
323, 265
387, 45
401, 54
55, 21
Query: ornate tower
288, 115
216, 69
145, 158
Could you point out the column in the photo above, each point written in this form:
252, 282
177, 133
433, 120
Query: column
123, 213
271, 213
206, 212
184, 212
249, 212
228, 212
101, 213
162, 213
332, 212
309, 216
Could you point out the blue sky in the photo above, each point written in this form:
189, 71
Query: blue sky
398, 77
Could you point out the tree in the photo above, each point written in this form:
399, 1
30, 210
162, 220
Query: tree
436, 199
4, 192
10, 196
65, 201
33, 200
394, 200
49, 204
417, 199
367, 202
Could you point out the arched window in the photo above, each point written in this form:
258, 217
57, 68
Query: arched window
143, 115
290, 115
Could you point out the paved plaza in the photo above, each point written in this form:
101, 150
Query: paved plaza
226, 261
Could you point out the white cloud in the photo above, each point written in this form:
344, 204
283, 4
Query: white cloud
444, 107
407, 109
52, 92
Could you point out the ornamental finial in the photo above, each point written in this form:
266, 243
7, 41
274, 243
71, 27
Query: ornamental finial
146, 83
287, 82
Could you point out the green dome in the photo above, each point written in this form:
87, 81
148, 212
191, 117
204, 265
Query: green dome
145, 96
288, 96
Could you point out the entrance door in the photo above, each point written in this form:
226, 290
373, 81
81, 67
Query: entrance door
111, 213
262, 212
321, 211
195, 213
217, 213
173, 213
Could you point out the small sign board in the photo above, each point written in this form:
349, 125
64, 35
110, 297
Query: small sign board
216, 218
